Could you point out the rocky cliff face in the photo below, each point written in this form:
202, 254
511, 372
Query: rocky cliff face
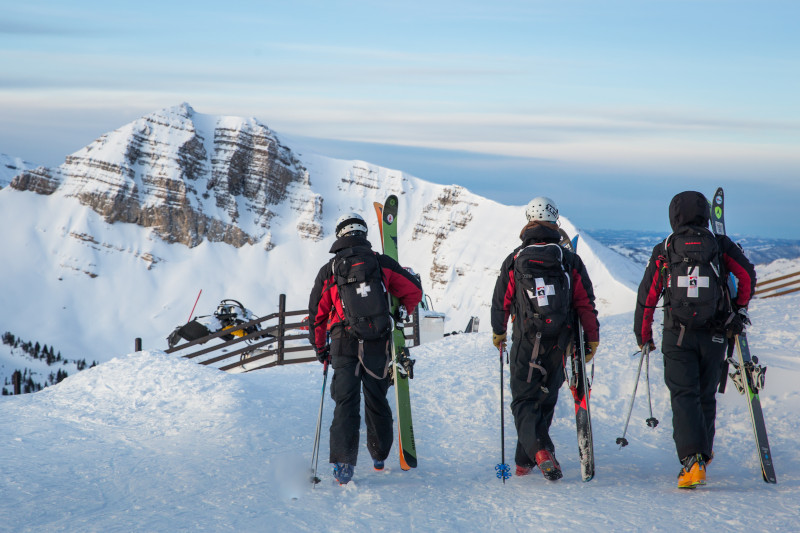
447, 214
188, 177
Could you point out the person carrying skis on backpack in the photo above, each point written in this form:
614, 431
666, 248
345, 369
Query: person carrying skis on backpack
349, 305
543, 288
691, 269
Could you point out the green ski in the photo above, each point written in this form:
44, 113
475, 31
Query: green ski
402, 365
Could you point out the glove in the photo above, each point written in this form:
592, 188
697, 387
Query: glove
590, 349
650, 346
323, 354
738, 321
499, 340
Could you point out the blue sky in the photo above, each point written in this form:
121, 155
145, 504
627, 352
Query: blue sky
609, 107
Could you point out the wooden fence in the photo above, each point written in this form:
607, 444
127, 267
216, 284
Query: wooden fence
778, 286
277, 342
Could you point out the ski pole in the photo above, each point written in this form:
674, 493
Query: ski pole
503, 470
315, 455
194, 306
622, 441
652, 421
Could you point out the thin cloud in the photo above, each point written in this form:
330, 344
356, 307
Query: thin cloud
17, 28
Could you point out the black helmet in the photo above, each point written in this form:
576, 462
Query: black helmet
689, 208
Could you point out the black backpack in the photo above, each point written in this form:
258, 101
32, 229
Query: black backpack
694, 291
543, 290
357, 274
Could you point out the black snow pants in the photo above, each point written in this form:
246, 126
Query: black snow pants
349, 379
533, 403
692, 372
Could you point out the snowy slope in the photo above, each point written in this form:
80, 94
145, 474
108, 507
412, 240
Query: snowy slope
146, 442
10, 167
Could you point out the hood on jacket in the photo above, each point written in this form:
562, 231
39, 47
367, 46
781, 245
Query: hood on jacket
689, 208
349, 242
539, 231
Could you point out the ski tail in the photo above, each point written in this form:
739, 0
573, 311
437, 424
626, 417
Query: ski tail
581, 392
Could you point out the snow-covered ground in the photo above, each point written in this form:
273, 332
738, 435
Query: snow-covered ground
148, 442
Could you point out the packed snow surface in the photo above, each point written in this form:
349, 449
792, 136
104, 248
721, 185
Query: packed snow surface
150, 442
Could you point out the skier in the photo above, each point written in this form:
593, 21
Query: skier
694, 349
537, 377
351, 328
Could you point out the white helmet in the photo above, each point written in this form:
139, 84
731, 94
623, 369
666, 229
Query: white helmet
350, 222
542, 208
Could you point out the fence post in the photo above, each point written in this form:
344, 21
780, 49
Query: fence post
281, 326
416, 326
137, 344
16, 379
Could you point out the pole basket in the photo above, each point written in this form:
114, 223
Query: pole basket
503, 471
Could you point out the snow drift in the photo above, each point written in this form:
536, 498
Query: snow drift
149, 442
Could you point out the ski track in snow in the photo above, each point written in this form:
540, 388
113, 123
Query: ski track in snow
146, 442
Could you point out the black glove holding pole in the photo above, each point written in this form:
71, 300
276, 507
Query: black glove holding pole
323, 354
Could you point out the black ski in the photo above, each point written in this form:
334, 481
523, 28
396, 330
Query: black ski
581, 390
748, 375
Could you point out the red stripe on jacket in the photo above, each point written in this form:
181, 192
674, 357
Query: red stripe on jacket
744, 290
583, 306
508, 297
653, 294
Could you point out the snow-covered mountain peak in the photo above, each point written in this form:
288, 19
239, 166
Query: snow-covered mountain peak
190, 177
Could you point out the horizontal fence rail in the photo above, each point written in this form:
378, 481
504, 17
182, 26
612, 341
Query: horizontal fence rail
265, 347
778, 286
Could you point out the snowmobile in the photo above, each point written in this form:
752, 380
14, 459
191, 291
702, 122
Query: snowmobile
228, 315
